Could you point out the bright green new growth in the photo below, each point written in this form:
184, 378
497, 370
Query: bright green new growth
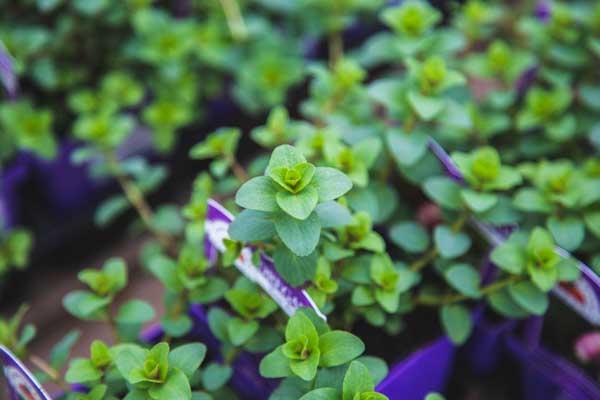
537, 258
306, 349
290, 200
411, 18
159, 373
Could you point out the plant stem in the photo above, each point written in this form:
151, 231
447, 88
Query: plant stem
422, 262
336, 47
136, 197
46, 368
235, 20
237, 169
457, 297
432, 253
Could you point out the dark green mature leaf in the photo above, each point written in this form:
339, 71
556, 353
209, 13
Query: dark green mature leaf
60, 352
110, 209
410, 236
84, 304
295, 269
135, 312
528, 296
322, 394
426, 107
332, 214
258, 194
330, 183
82, 370
177, 386
443, 191
275, 365
300, 236
457, 322
568, 232
187, 357
339, 347
465, 279
357, 380
251, 225
503, 303
449, 243
407, 148
215, 376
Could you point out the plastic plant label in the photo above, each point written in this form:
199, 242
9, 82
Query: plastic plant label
21, 383
583, 295
264, 275
7, 74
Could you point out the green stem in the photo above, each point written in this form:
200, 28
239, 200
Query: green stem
235, 20
336, 48
136, 197
457, 297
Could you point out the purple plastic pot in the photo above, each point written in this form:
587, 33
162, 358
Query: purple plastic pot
10, 181
547, 376
65, 185
426, 370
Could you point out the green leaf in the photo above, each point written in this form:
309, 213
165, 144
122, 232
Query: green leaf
295, 269
545, 279
330, 183
339, 347
275, 364
333, 215
251, 225
477, 201
532, 200
187, 358
503, 303
284, 156
529, 297
110, 209
167, 218
362, 296
321, 394
60, 352
457, 322
449, 243
568, 232
128, 357
443, 191
240, 331
135, 312
215, 376
258, 194
177, 386
176, 326
306, 369
592, 221
165, 270
465, 279
568, 270
510, 257
298, 205
426, 107
356, 381
217, 321
82, 370
85, 305
407, 148
301, 237
410, 236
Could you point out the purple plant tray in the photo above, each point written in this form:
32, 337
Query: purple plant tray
11, 179
426, 370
